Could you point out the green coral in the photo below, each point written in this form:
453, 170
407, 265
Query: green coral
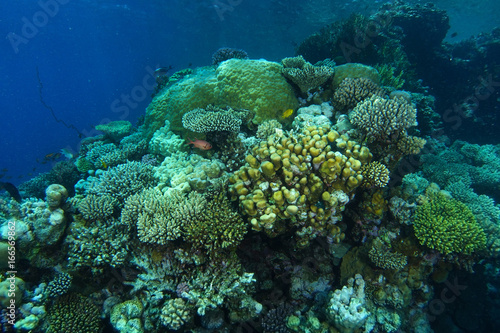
115, 130
217, 227
448, 225
74, 313
254, 85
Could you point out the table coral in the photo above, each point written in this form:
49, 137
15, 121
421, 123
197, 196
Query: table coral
305, 75
305, 178
211, 120
447, 225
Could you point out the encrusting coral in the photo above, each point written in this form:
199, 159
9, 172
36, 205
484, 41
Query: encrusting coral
447, 225
303, 178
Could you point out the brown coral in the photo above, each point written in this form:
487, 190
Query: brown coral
351, 91
375, 174
94, 207
381, 118
305, 75
211, 119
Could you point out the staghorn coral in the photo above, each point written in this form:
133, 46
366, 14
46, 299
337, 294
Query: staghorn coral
447, 225
175, 313
382, 257
305, 75
351, 91
375, 174
216, 227
381, 118
211, 120
123, 180
74, 313
302, 178
94, 207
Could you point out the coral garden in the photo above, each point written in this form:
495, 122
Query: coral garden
330, 200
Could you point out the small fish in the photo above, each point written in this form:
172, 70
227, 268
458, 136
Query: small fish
5, 170
51, 157
200, 144
12, 189
66, 153
104, 165
287, 113
454, 34
162, 71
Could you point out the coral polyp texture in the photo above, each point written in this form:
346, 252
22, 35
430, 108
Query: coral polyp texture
381, 118
351, 91
447, 225
301, 180
211, 120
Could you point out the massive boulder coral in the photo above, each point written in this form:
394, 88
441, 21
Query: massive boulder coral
255, 85
304, 178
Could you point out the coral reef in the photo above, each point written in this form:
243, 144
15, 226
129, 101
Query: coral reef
234, 83
226, 53
447, 225
74, 313
351, 91
305, 75
122, 181
300, 179
382, 118
211, 120
115, 130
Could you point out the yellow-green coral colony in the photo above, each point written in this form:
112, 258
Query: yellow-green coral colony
303, 177
448, 226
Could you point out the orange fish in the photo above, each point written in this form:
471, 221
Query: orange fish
200, 144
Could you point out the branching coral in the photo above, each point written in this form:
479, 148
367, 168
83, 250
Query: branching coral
351, 91
381, 118
375, 174
447, 225
303, 177
175, 313
382, 257
159, 216
94, 207
123, 180
211, 120
305, 75
217, 227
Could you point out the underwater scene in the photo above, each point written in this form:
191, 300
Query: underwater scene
250, 166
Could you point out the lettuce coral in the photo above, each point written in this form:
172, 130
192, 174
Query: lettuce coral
447, 225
